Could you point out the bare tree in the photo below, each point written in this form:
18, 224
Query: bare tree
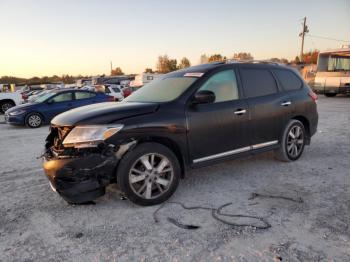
184, 63
117, 72
243, 56
166, 65
216, 58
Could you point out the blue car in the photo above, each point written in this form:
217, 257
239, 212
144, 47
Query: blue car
50, 104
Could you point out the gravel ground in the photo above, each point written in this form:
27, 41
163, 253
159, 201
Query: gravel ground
37, 225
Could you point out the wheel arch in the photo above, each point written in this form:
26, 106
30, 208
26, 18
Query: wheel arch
306, 124
8, 100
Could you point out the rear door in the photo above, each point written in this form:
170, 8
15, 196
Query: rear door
218, 129
83, 98
269, 107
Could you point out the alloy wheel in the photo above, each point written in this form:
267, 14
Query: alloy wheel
34, 121
151, 176
295, 141
5, 107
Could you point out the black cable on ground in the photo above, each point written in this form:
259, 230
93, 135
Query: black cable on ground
255, 195
216, 213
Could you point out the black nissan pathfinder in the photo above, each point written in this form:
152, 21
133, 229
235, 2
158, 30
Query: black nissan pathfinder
188, 118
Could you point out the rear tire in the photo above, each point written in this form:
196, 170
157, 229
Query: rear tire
292, 143
34, 120
330, 94
149, 174
6, 105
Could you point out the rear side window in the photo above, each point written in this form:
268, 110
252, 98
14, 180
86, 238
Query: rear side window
83, 95
258, 82
288, 80
64, 97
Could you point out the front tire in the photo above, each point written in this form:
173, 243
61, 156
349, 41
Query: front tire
292, 143
149, 174
330, 94
6, 105
34, 120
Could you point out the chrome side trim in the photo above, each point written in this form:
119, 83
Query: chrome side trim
265, 144
236, 151
227, 153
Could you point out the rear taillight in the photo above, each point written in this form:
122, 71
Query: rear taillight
313, 96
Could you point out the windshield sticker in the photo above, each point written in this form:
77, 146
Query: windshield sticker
194, 74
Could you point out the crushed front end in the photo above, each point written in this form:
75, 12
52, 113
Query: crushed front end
78, 174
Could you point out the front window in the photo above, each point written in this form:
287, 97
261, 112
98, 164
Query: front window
162, 90
223, 85
333, 63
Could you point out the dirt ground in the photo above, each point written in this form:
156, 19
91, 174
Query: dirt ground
37, 225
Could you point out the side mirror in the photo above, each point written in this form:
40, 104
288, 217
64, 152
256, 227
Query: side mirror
49, 102
204, 97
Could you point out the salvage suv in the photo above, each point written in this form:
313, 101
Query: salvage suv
188, 118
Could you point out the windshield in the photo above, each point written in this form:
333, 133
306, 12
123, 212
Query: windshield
161, 90
333, 63
42, 97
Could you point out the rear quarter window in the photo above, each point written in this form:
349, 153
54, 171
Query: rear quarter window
258, 82
288, 80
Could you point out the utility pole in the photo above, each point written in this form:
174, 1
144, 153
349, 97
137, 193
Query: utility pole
111, 67
302, 35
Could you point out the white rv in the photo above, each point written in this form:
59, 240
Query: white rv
333, 72
144, 78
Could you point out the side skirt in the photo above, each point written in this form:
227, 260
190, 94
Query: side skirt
239, 152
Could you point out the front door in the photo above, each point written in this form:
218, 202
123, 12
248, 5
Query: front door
218, 129
58, 104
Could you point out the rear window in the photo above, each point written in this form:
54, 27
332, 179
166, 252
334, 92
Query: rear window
258, 82
288, 80
116, 89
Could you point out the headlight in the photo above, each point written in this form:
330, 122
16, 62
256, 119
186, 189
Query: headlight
17, 112
90, 136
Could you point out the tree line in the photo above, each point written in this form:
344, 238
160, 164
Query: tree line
67, 79
164, 65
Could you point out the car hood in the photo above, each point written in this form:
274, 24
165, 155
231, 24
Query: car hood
103, 113
22, 107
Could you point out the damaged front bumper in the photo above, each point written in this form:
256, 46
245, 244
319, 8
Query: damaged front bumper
80, 179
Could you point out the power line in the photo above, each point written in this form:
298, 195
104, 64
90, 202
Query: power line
327, 38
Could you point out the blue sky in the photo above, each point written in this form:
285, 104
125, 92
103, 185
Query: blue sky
82, 37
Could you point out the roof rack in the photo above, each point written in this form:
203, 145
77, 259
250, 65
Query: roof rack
232, 61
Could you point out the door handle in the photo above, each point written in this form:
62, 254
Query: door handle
286, 103
240, 112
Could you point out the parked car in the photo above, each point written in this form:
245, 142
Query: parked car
128, 90
9, 99
115, 91
52, 103
187, 119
